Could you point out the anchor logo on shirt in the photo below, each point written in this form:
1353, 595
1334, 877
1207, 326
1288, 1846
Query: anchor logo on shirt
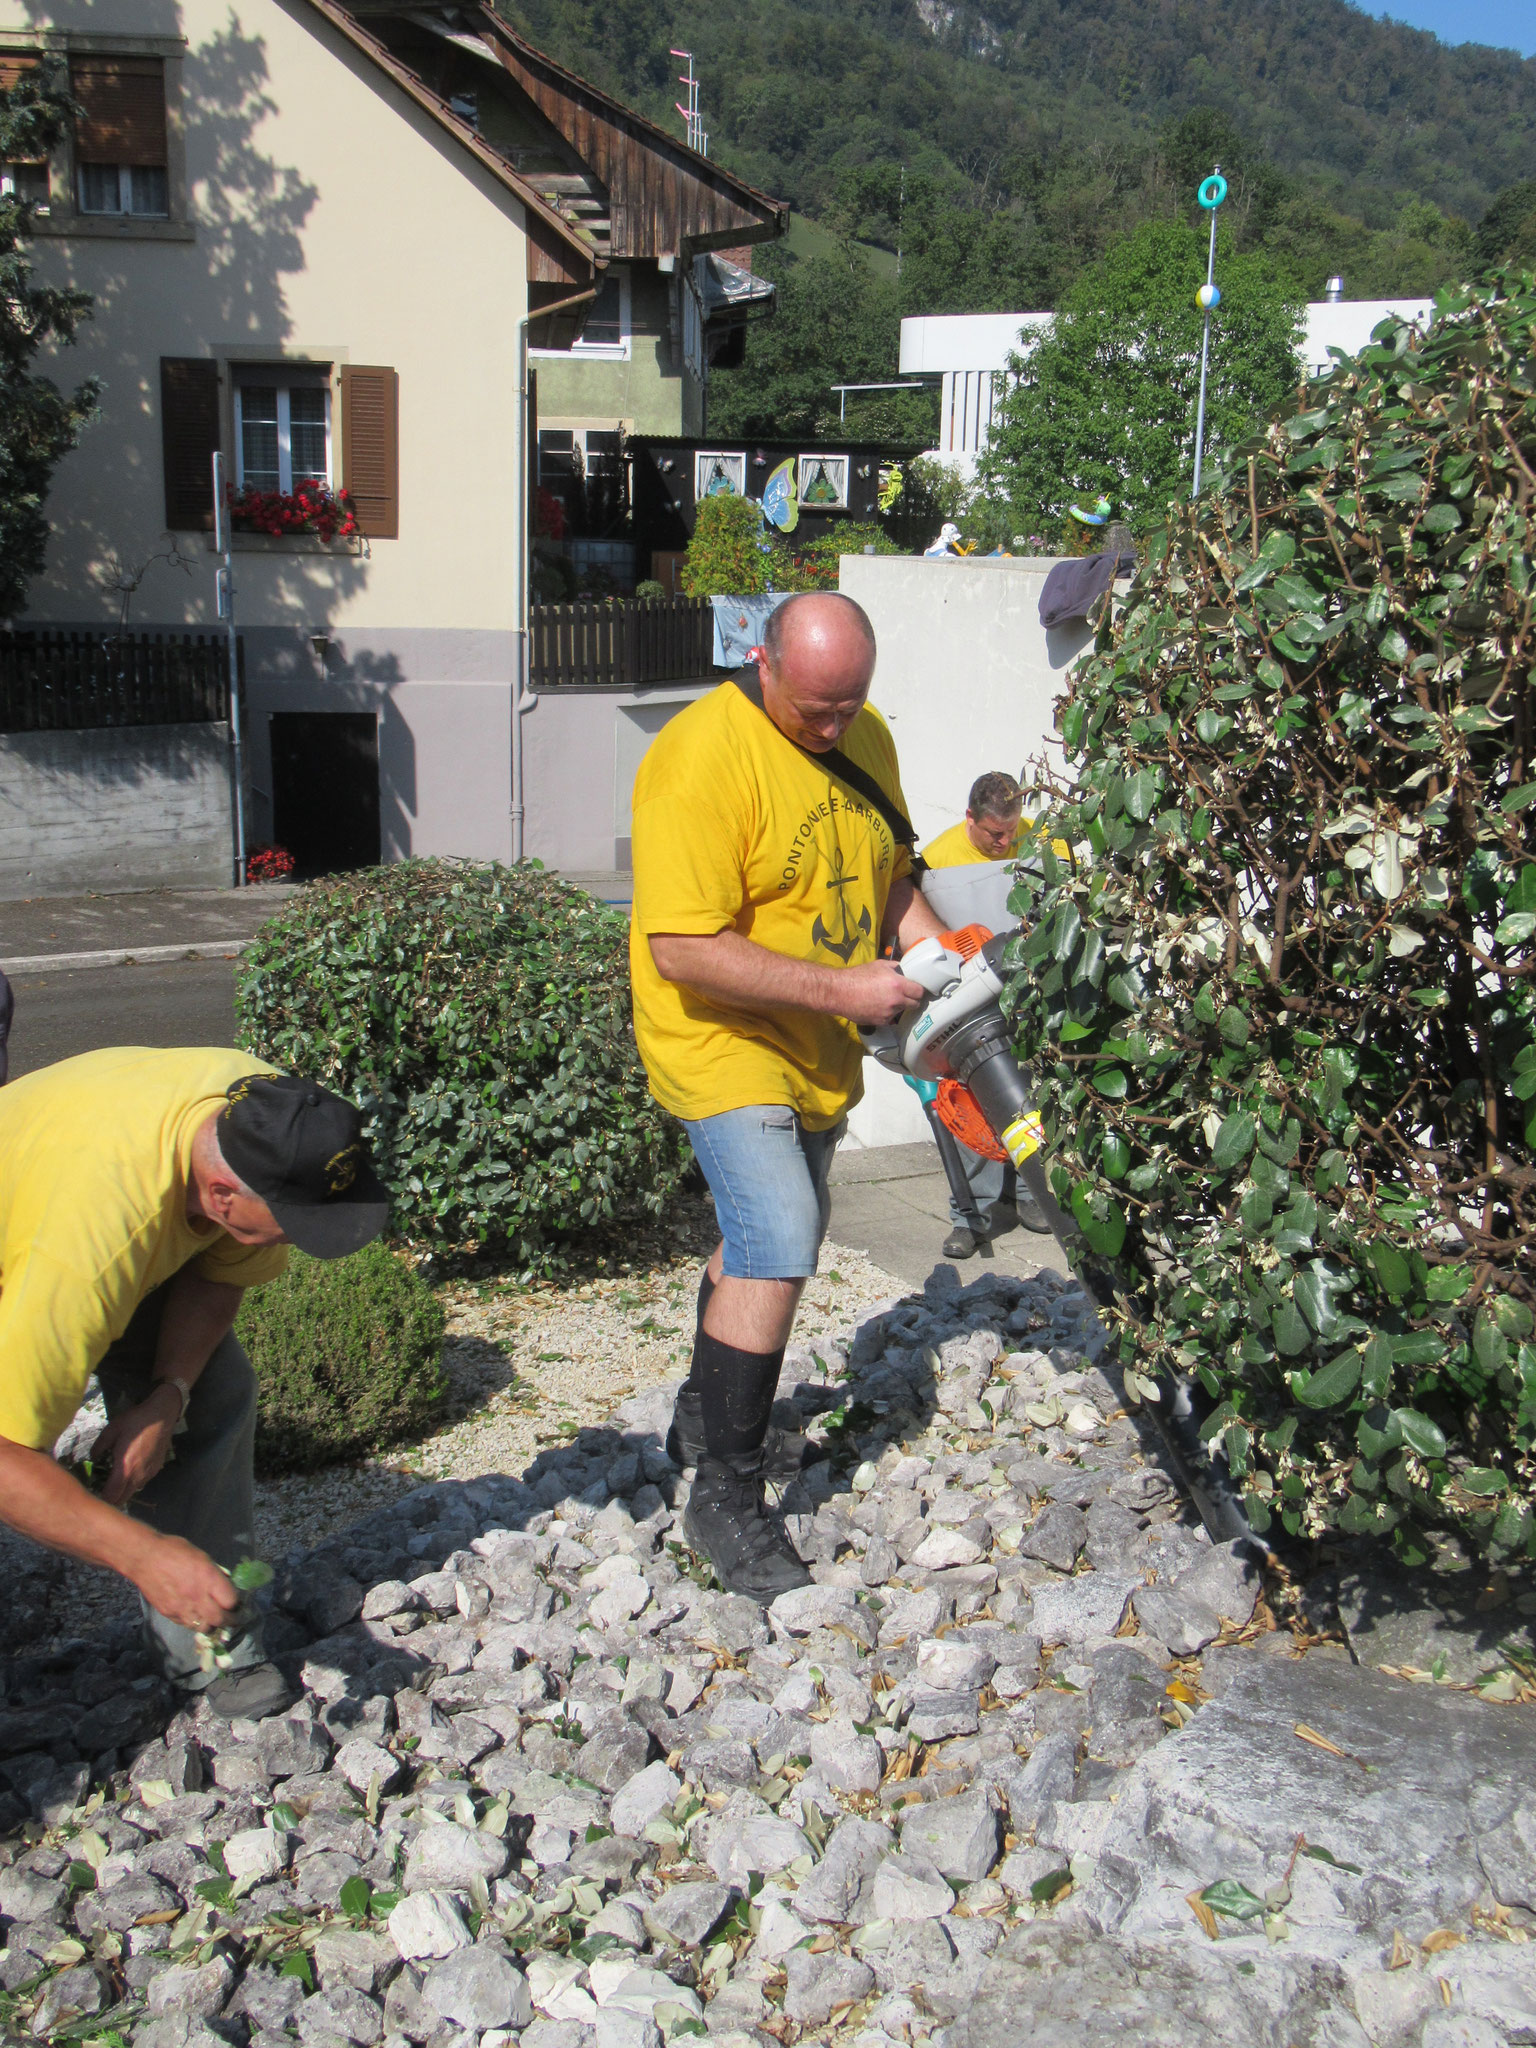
845, 946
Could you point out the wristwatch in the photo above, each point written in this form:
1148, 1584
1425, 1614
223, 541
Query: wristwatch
184, 1388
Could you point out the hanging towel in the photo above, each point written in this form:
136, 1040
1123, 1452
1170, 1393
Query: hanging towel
1074, 587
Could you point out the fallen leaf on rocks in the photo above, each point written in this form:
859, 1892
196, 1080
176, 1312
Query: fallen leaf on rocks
1441, 1938
1203, 1914
1402, 1952
1234, 1900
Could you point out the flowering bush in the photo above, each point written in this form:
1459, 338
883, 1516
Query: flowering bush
268, 864
312, 508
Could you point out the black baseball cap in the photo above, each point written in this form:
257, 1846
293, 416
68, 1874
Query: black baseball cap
301, 1149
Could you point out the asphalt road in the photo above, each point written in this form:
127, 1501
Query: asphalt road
179, 1002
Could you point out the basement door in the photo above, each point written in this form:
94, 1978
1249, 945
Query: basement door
325, 789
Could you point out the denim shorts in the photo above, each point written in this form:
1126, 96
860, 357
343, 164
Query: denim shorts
768, 1175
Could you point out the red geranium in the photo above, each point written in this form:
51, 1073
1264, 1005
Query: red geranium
313, 508
268, 864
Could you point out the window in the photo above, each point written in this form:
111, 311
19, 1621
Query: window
719, 476
824, 482
121, 158
607, 329
282, 429
586, 469
27, 182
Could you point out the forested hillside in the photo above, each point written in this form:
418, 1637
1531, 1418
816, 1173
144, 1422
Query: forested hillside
1004, 147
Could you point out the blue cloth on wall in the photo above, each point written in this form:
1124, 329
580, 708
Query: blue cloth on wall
739, 625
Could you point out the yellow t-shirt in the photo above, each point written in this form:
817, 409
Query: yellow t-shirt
735, 829
956, 849
95, 1155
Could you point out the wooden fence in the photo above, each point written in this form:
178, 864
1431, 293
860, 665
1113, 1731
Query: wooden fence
620, 643
71, 682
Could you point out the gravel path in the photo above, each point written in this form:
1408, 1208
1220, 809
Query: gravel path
1030, 1759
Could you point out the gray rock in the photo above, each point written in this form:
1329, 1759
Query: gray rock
1228, 1797
959, 1836
1056, 1536
1504, 1821
445, 1855
332, 1603
1081, 1609
342, 2012
1189, 1611
686, 1915
817, 1985
646, 1796
849, 1761
957, 1663
198, 1990
1397, 1617
476, 1988
736, 1849
291, 1747
428, 1924
267, 1999
917, 1952
909, 1887
936, 1715
1022, 1869
364, 1763
853, 1853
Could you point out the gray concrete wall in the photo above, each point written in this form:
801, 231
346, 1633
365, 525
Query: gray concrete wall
580, 757
966, 673
137, 807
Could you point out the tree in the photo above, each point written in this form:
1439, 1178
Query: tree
1507, 231
38, 423
1105, 402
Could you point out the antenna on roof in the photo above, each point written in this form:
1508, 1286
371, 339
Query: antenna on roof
693, 119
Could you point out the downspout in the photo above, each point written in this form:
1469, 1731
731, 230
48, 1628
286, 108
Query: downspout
523, 699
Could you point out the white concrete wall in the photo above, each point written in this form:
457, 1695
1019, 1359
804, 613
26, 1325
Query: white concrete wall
968, 678
139, 807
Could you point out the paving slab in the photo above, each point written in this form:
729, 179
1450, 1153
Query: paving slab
55, 926
892, 1201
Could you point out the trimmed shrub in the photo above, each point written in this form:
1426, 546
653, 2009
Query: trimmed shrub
480, 1017
1284, 1014
347, 1355
731, 553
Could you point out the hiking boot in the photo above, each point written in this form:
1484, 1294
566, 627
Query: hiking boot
960, 1243
248, 1695
785, 1455
727, 1522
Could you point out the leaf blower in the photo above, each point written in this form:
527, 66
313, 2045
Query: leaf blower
954, 1048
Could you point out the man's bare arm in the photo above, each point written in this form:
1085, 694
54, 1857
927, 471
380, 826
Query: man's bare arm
735, 971
44, 1502
909, 916
197, 1316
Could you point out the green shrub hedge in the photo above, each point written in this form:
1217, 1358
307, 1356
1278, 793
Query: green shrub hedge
347, 1355
480, 1016
1284, 1014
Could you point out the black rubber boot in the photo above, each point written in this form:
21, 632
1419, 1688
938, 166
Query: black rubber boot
727, 1522
785, 1455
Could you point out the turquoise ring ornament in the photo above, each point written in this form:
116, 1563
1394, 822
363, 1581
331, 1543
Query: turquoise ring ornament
1212, 191
1208, 298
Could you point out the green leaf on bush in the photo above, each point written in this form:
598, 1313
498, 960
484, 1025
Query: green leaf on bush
1332, 1385
1116, 1155
1377, 1432
1290, 1330
1482, 1479
250, 1574
1234, 1141
1516, 799
1110, 1082
1313, 1292
1448, 1283
1321, 1855
1420, 1434
299, 1965
1391, 1268
1141, 794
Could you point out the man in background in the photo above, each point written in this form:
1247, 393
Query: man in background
994, 828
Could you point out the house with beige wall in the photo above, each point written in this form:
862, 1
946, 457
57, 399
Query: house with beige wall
311, 247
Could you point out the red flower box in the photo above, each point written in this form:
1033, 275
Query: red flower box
312, 508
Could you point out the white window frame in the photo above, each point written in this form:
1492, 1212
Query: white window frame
259, 375
732, 458
619, 351
124, 210
831, 463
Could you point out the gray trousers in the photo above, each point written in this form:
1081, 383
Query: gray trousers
991, 1180
204, 1493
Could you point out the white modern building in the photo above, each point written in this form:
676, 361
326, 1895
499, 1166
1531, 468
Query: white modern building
968, 353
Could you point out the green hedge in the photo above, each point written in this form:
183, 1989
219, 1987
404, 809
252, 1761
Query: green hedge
1284, 1010
347, 1355
481, 1018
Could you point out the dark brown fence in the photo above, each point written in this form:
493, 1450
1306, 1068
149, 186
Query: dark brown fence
620, 643
68, 682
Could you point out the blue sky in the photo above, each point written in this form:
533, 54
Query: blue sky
1507, 24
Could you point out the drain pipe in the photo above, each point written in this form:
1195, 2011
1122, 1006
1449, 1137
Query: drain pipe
523, 699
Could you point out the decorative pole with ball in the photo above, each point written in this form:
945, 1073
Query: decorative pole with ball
1211, 194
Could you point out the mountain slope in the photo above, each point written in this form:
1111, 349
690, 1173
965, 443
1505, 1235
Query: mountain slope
797, 92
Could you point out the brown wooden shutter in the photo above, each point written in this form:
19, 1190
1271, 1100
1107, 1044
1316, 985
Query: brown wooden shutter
189, 434
370, 448
13, 69
123, 109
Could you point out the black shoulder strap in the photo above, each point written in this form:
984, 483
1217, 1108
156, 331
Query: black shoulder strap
859, 779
